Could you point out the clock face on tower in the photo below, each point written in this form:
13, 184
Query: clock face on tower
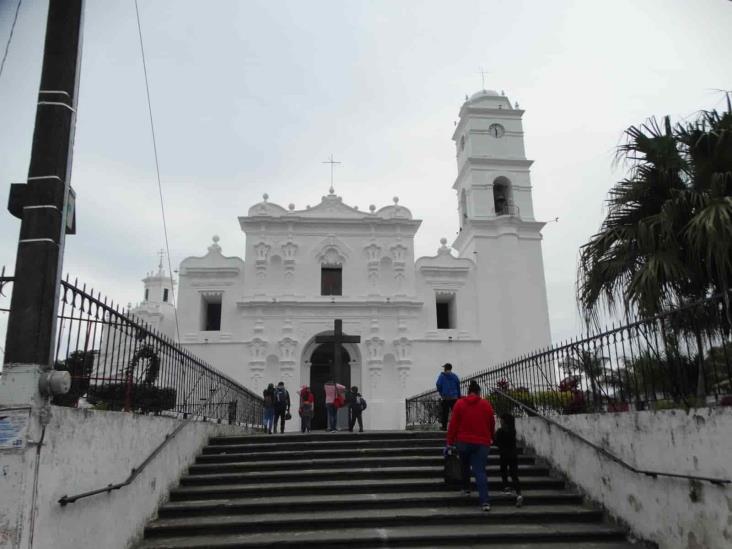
496, 130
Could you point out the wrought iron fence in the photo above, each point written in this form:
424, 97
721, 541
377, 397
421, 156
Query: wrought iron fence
117, 361
678, 359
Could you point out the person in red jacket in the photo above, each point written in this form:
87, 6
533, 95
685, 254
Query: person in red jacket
471, 429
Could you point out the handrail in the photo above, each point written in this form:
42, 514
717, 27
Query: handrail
133, 474
606, 453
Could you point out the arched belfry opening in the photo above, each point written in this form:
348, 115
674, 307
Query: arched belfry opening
463, 207
321, 362
502, 200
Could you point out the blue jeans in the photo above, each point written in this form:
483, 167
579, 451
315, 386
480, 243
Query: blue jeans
268, 419
475, 457
332, 416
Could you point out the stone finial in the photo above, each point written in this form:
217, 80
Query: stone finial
444, 248
503, 93
372, 208
291, 206
214, 247
396, 200
265, 196
516, 105
443, 241
355, 208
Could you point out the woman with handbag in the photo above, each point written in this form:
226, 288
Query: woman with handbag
334, 399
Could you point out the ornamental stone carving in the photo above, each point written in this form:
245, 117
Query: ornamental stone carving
261, 254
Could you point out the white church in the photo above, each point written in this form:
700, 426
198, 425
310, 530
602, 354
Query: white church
475, 303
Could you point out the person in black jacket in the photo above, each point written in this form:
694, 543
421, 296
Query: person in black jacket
281, 406
505, 439
356, 406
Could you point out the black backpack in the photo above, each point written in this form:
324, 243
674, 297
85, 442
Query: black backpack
280, 398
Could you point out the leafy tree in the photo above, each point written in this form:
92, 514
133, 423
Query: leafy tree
667, 236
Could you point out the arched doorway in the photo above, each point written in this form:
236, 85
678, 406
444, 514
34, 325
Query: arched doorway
320, 364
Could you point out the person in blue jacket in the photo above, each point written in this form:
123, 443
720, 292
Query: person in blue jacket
448, 385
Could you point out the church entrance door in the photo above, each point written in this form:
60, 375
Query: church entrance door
321, 363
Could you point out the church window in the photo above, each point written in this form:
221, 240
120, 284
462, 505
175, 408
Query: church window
165, 295
211, 313
147, 294
445, 306
502, 196
331, 280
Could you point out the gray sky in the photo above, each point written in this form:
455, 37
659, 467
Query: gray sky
251, 96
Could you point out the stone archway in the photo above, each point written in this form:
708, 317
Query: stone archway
311, 371
320, 365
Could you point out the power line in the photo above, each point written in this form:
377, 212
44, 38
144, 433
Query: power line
10, 38
157, 169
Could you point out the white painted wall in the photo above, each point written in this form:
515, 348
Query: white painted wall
675, 513
84, 450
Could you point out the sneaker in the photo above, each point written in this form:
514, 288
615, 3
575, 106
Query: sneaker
466, 492
519, 500
486, 507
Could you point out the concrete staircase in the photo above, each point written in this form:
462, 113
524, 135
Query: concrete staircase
381, 489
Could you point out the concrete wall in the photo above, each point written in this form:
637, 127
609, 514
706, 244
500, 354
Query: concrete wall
674, 513
84, 450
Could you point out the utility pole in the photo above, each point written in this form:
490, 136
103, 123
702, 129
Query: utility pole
45, 206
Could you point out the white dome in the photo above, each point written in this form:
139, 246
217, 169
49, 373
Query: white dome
484, 93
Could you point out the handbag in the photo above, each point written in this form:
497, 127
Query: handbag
288, 416
453, 469
339, 401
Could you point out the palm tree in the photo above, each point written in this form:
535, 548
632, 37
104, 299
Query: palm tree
667, 236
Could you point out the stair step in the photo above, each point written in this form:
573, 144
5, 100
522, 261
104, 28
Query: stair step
340, 519
309, 475
335, 443
419, 536
294, 503
322, 435
341, 486
210, 455
328, 462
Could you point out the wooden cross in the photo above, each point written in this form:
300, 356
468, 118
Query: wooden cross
336, 339
332, 163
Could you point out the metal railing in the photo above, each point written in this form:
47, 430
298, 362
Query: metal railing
117, 361
678, 359
65, 500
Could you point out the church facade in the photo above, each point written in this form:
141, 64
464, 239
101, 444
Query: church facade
474, 304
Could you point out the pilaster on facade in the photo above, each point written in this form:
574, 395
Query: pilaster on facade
399, 254
261, 251
403, 348
289, 251
373, 255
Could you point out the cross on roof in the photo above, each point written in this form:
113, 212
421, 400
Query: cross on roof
332, 164
337, 339
482, 77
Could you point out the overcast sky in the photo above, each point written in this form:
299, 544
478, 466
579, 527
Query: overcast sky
251, 96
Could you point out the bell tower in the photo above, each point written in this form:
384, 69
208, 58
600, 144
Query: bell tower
493, 172
498, 230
